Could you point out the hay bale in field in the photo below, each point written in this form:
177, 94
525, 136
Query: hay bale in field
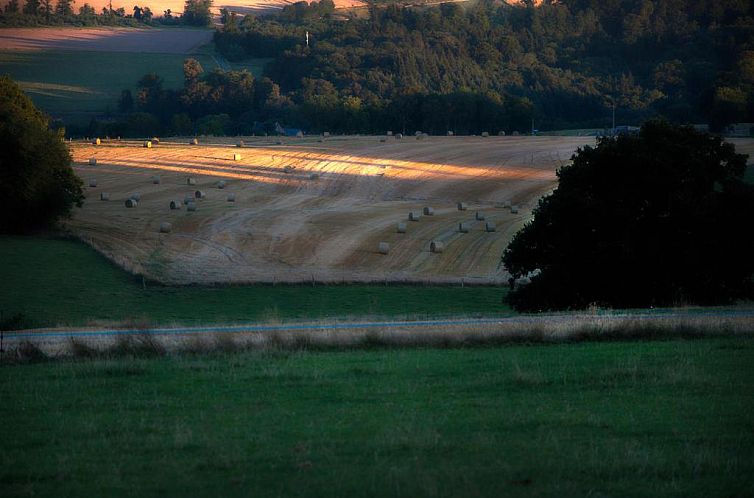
92, 161
489, 227
96, 141
165, 227
515, 133
326, 134
514, 209
464, 227
401, 227
450, 133
231, 198
479, 216
485, 134
239, 143
147, 144
156, 180
436, 246
155, 140
389, 133
199, 194
104, 196
135, 196
412, 216
428, 211
221, 184
190, 181
462, 206
131, 203
288, 169
175, 205
417, 133
422, 136
92, 183
383, 248
191, 206
398, 136
236, 157
314, 176
194, 141
501, 133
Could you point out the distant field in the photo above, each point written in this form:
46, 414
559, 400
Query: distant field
660, 419
76, 85
54, 282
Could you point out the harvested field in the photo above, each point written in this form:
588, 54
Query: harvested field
284, 227
167, 41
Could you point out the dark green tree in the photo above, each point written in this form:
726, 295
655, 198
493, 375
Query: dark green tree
654, 219
32, 7
197, 12
64, 8
11, 7
37, 184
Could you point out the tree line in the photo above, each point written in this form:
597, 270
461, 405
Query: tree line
61, 12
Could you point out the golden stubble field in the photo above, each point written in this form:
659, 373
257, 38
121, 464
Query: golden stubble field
308, 210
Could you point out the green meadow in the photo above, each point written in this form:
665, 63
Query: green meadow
77, 85
50, 281
665, 418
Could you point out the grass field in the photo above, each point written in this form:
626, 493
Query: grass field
52, 281
667, 418
77, 85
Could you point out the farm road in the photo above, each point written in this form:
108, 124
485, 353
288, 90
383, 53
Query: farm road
556, 322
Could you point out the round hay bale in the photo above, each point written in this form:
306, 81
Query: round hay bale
156, 180
401, 227
104, 196
326, 134
191, 206
199, 194
194, 141
412, 216
417, 133
383, 248
479, 216
231, 198
190, 181
175, 204
288, 169
135, 196
462, 206
155, 140
464, 227
436, 246
501, 133
147, 144
96, 141
165, 227
92, 161
515, 133
489, 227
429, 211
450, 133
389, 133
221, 184
485, 134
314, 176
131, 203
239, 143
398, 136
236, 157
421, 137
514, 209
92, 183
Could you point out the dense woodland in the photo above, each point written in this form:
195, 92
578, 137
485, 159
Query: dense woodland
472, 67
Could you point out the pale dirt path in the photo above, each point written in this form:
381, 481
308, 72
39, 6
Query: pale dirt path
286, 227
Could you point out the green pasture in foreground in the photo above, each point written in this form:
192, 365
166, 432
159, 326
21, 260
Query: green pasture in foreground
76, 85
54, 281
629, 419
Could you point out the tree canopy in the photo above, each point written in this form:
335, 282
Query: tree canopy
37, 183
655, 219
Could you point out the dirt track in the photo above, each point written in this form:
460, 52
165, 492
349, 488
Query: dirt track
288, 227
